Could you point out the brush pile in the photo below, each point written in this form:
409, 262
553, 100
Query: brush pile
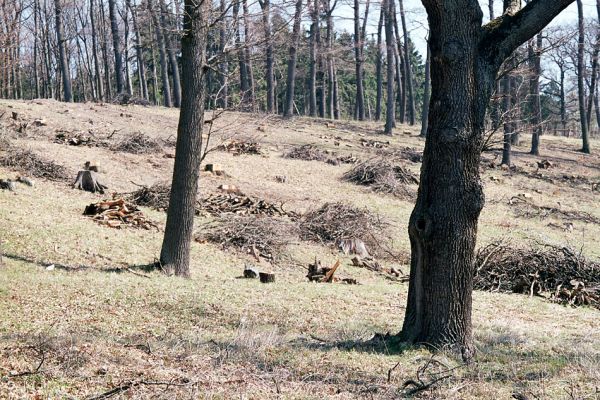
241, 146
31, 164
383, 176
125, 99
558, 273
138, 143
405, 153
155, 196
231, 203
376, 144
308, 152
526, 209
77, 139
118, 214
259, 235
339, 223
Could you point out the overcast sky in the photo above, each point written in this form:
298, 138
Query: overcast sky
417, 18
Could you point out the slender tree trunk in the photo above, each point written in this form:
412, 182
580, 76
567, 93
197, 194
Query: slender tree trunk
312, 78
114, 27
408, 68
594, 72
580, 77
62, 52
175, 253
401, 71
139, 52
165, 23
390, 122
358, 64
379, 66
36, 77
426, 95
105, 57
247, 57
160, 42
508, 125
97, 73
288, 110
128, 79
223, 100
534, 94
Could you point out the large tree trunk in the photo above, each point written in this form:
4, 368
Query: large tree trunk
465, 58
580, 80
390, 121
114, 27
379, 67
534, 94
62, 53
288, 109
175, 253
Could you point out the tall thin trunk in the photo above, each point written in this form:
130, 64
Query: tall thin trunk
223, 99
594, 72
534, 93
390, 122
580, 76
97, 73
508, 125
128, 79
175, 252
379, 66
105, 52
247, 57
426, 95
312, 75
165, 23
139, 51
36, 77
62, 52
288, 109
408, 68
160, 42
401, 71
358, 64
114, 27
244, 82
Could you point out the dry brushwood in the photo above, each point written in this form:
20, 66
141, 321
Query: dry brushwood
77, 139
334, 223
261, 236
241, 146
138, 143
524, 208
429, 374
118, 214
405, 153
155, 196
309, 152
125, 99
31, 164
383, 176
88, 180
559, 272
231, 203
374, 143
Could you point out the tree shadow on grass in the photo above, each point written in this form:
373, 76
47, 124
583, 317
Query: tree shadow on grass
136, 268
386, 344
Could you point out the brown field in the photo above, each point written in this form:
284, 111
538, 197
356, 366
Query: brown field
99, 321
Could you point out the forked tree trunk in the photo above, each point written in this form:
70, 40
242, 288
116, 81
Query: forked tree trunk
175, 253
465, 58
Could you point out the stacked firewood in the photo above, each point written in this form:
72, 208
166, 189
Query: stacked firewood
241, 146
118, 214
231, 203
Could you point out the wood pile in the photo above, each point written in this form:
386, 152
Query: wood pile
155, 196
118, 214
376, 144
383, 176
309, 152
77, 139
557, 273
239, 204
318, 273
241, 146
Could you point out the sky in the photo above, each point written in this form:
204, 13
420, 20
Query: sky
417, 18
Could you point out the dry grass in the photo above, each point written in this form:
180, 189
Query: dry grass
217, 337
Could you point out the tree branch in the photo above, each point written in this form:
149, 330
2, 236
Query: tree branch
505, 34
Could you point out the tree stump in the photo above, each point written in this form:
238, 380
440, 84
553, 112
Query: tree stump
266, 277
88, 181
8, 185
250, 272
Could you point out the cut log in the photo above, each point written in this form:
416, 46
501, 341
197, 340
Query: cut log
7, 184
88, 181
266, 277
250, 272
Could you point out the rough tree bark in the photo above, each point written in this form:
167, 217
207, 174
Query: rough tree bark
266, 16
165, 22
426, 95
465, 58
390, 121
62, 52
408, 68
288, 108
535, 59
358, 64
175, 253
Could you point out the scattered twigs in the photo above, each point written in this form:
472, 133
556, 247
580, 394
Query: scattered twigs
132, 384
524, 208
383, 176
31, 164
138, 143
429, 374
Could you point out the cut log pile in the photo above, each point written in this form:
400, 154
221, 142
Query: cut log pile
557, 273
376, 144
318, 273
118, 214
231, 203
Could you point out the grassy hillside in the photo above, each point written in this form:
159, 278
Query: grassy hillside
82, 316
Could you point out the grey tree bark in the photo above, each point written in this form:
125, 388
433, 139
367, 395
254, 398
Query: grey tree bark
379, 67
426, 95
266, 16
288, 109
114, 27
162, 51
167, 28
535, 121
390, 121
358, 63
62, 53
409, 86
580, 79
175, 253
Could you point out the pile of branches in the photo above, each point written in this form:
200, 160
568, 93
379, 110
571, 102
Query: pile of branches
155, 196
383, 176
77, 139
241, 146
118, 214
31, 164
558, 273
259, 235
126, 99
526, 209
138, 143
376, 144
232, 203
405, 153
307, 152
336, 223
